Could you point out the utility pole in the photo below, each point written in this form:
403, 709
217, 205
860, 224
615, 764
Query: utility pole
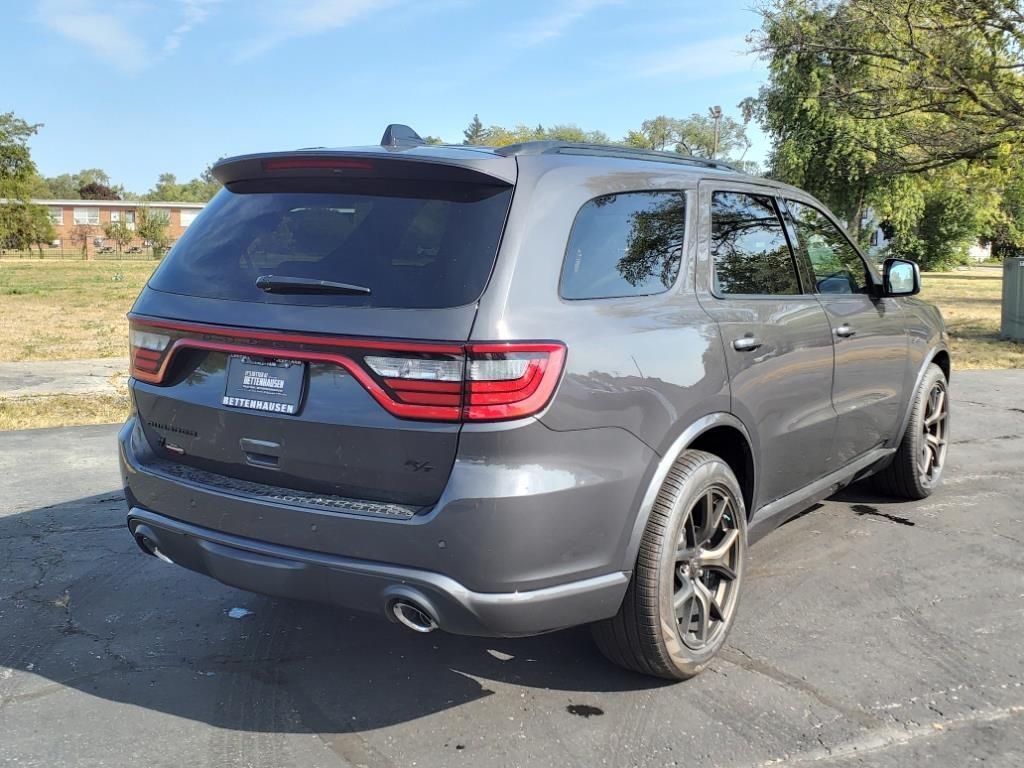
716, 114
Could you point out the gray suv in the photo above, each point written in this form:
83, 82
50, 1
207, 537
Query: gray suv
506, 391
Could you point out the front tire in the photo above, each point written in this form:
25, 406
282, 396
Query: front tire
917, 465
682, 598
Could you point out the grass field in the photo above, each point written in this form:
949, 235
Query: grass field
67, 310
61, 310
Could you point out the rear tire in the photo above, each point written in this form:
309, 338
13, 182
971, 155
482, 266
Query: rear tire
681, 601
916, 468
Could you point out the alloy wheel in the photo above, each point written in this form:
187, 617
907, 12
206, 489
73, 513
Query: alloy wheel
706, 567
932, 455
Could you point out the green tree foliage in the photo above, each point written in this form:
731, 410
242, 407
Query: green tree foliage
40, 230
475, 133
198, 190
120, 232
96, 191
151, 225
87, 184
892, 107
693, 135
20, 220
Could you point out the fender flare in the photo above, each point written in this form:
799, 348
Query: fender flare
928, 360
680, 444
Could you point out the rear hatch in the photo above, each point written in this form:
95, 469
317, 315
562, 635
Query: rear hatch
308, 331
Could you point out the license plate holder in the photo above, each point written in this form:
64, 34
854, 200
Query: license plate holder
267, 386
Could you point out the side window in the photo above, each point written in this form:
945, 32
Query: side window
838, 268
627, 244
749, 247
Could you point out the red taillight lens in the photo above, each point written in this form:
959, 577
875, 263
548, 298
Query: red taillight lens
434, 381
509, 381
147, 350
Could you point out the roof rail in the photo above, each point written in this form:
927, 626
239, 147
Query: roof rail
610, 150
398, 135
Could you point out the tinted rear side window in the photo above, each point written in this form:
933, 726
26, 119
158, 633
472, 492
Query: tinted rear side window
749, 247
413, 244
627, 244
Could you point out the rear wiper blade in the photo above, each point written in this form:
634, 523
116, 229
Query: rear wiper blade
279, 284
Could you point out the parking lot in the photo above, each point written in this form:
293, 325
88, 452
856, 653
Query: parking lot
870, 633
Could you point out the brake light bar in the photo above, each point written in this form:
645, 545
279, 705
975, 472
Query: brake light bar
435, 381
314, 163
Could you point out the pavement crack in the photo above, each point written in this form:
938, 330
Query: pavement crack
744, 660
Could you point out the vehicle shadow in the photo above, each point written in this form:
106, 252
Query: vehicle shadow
82, 607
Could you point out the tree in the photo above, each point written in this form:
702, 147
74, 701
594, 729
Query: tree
120, 233
946, 77
91, 183
901, 111
198, 190
94, 190
40, 229
475, 133
151, 225
81, 234
19, 218
694, 135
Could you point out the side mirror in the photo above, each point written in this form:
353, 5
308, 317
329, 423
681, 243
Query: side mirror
901, 278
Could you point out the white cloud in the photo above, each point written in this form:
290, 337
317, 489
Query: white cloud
556, 23
103, 32
194, 13
702, 60
309, 17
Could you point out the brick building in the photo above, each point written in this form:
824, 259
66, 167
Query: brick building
66, 215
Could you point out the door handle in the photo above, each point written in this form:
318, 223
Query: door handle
746, 343
845, 331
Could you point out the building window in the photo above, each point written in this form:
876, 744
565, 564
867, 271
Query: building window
56, 216
127, 216
187, 217
90, 216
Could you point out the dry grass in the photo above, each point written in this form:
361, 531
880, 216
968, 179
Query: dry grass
62, 410
971, 303
64, 310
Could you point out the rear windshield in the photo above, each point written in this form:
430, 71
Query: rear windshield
413, 244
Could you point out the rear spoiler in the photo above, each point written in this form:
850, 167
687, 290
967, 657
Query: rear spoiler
421, 163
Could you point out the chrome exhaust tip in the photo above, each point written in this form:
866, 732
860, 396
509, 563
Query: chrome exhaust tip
414, 616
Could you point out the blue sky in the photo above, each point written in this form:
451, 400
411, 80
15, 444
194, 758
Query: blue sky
137, 87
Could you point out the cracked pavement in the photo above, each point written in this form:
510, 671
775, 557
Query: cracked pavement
870, 633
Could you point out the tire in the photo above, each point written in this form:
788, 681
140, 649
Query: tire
647, 635
916, 467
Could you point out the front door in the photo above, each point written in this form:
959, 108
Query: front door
778, 341
871, 343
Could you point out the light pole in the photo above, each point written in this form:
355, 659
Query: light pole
716, 115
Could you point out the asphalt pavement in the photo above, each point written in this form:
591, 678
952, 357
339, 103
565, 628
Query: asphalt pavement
871, 632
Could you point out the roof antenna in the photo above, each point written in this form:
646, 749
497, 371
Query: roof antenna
398, 135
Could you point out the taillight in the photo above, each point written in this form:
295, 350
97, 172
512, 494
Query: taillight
435, 381
490, 382
508, 381
147, 350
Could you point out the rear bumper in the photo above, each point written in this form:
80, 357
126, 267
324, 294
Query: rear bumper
534, 542
372, 587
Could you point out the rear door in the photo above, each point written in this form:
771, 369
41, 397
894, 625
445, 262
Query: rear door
355, 391
871, 343
778, 343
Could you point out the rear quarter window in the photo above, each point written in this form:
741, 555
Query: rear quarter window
626, 244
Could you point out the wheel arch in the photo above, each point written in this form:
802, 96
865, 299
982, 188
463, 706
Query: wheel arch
722, 434
939, 356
